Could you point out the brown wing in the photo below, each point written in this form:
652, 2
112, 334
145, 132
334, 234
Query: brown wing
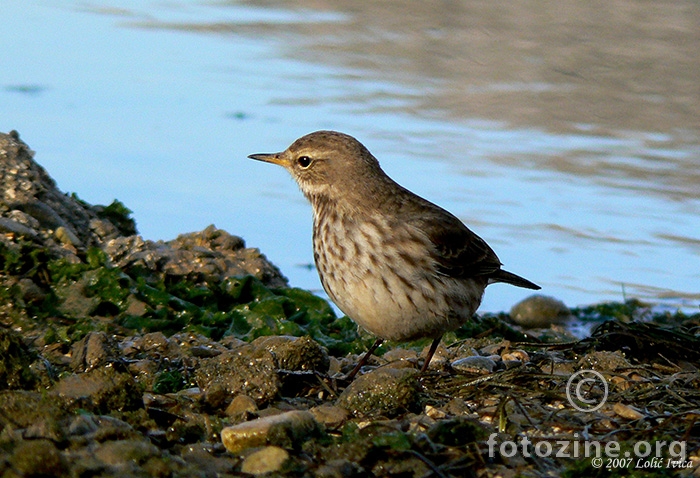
458, 251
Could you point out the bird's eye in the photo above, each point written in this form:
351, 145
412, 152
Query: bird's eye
304, 161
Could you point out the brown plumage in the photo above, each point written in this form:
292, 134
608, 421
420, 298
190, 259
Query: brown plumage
398, 265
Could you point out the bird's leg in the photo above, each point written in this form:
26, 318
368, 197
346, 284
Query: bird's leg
364, 359
431, 352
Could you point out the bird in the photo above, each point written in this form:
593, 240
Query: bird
398, 265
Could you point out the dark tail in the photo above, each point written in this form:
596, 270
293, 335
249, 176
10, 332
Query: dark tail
508, 277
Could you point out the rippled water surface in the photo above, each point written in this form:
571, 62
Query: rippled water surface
567, 134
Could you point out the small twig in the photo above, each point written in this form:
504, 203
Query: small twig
434, 469
325, 386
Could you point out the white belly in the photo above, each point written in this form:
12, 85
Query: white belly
376, 287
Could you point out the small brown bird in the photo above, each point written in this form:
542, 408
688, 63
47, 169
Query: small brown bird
398, 265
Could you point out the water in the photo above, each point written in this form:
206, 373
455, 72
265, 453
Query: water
566, 135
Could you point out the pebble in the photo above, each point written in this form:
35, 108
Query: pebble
13, 227
474, 364
519, 355
247, 370
93, 350
266, 460
67, 237
625, 411
539, 311
295, 353
330, 415
241, 405
284, 429
125, 451
37, 458
604, 361
340, 468
383, 391
101, 390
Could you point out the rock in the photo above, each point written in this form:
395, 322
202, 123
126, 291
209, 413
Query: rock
340, 468
286, 429
625, 411
457, 431
37, 458
295, 353
125, 451
539, 311
8, 225
246, 370
516, 354
15, 362
29, 291
604, 361
266, 460
73, 300
136, 307
439, 359
241, 405
105, 230
67, 237
211, 255
400, 358
474, 364
330, 415
383, 391
201, 458
93, 350
32, 205
39, 416
101, 390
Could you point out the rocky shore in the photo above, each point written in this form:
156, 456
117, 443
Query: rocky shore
121, 356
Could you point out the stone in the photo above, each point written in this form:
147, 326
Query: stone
246, 370
8, 225
101, 390
266, 460
604, 361
37, 208
539, 311
241, 405
15, 361
474, 364
287, 429
67, 237
295, 353
32, 415
37, 458
383, 391
29, 291
330, 415
93, 350
125, 451
212, 255
340, 468
74, 302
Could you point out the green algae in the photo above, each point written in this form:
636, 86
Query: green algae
119, 215
78, 295
15, 361
169, 381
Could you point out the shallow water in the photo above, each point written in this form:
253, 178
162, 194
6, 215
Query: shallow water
565, 134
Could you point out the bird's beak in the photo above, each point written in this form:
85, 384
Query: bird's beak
274, 158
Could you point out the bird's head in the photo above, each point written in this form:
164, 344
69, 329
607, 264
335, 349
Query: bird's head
326, 163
